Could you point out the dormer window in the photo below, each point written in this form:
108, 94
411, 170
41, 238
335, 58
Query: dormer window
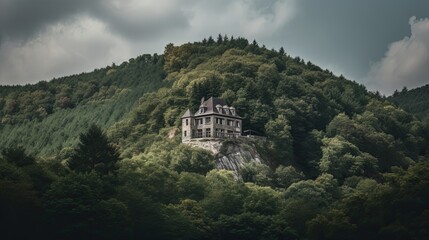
232, 110
226, 109
219, 108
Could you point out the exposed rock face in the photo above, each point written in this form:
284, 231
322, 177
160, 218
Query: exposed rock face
231, 154
210, 145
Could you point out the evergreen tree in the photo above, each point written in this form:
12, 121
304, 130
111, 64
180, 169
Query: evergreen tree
282, 51
94, 152
17, 156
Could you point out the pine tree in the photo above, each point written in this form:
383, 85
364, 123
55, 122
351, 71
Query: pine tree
94, 152
17, 156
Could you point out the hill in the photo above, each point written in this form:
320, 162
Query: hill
341, 162
415, 101
47, 117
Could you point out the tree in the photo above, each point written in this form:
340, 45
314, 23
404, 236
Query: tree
343, 159
184, 158
285, 176
77, 209
278, 130
94, 152
17, 156
282, 51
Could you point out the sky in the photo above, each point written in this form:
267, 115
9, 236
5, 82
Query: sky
382, 44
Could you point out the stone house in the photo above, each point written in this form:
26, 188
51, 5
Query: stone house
214, 119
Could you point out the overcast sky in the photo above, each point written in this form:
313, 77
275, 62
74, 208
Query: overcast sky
383, 44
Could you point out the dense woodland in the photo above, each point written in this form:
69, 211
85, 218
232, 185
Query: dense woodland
91, 156
415, 101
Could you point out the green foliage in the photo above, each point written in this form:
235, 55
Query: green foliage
260, 174
94, 153
73, 103
414, 101
281, 139
342, 163
155, 181
262, 200
285, 176
224, 195
78, 209
191, 186
191, 160
343, 159
17, 156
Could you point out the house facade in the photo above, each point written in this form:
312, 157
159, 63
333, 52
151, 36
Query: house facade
214, 119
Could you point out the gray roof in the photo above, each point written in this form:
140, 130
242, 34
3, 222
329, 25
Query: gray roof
210, 108
188, 113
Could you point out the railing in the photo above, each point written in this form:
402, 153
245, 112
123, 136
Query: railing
216, 135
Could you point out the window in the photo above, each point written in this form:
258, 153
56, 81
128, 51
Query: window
208, 132
198, 121
219, 121
199, 133
187, 123
237, 123
230, 122
184, 134
208, 120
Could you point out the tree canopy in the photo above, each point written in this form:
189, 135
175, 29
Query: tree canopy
97, 155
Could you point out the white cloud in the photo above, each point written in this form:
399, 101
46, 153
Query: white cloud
62, 49
406, 62
244, 18
114, 31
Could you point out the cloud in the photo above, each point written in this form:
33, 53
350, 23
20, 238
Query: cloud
251, 19
406, 61
22, 19
62, 49
142, 20
52, 38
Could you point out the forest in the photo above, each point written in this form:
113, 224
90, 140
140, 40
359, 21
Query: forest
90, 156
415, 101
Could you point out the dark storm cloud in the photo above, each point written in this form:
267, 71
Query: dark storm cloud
21, 19
142, 20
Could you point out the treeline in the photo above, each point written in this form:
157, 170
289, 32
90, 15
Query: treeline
19, 104
415, 101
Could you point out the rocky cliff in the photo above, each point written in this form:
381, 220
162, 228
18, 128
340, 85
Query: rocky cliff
232, 154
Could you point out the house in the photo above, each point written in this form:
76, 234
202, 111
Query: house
214, 119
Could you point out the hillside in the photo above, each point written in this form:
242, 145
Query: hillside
339, 162
415, 101
47, 117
